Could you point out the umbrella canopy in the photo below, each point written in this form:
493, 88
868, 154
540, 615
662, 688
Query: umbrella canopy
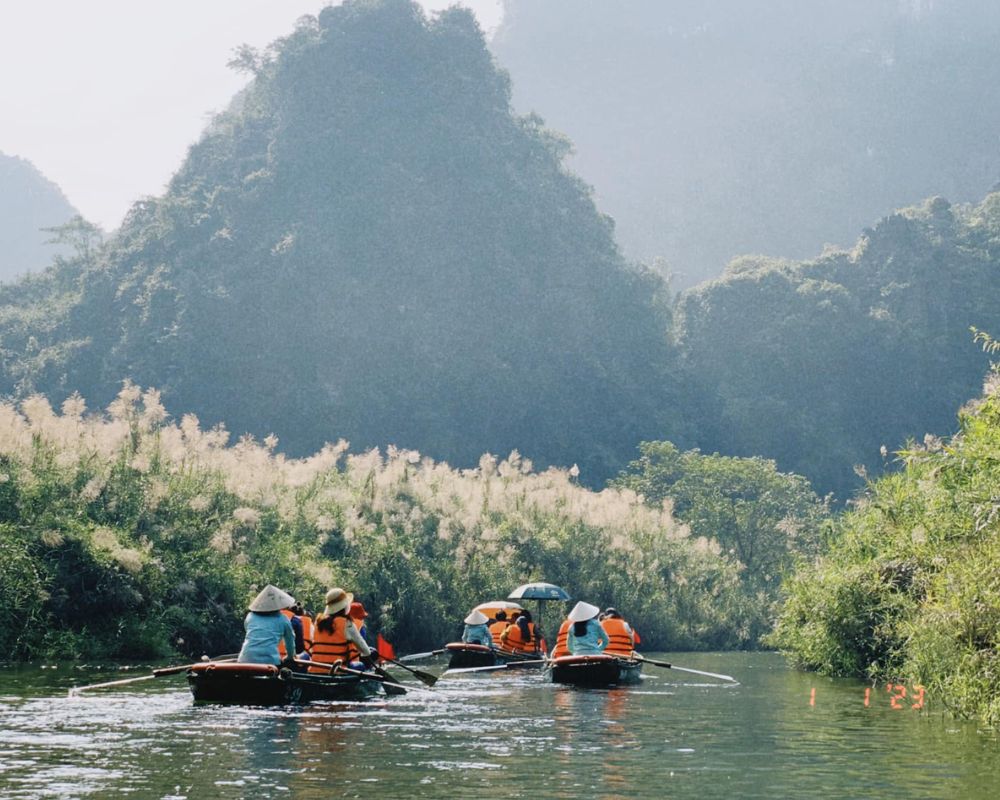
539, 591
490, 609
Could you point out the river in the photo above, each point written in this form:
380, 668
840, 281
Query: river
777, 734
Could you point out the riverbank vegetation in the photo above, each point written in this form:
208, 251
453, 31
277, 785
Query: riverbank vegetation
910, 589
129, 535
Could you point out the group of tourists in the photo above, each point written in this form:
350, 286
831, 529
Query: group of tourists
516, 634
585, 631
279, 632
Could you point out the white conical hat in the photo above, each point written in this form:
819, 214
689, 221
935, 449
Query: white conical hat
583, 611
476, 618
271, 598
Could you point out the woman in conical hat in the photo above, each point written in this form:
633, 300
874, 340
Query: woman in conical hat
265, 626
476, 630
586, 636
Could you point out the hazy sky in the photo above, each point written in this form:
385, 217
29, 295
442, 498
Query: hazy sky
104, 96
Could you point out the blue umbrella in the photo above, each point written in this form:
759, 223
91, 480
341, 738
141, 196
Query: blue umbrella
540, 592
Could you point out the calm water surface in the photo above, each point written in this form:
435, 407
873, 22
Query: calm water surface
494, 736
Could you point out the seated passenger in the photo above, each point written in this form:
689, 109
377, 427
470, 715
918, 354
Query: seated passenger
476, 631
620, 634
498, 626
520, 636
586, 636
266, 626
335, 638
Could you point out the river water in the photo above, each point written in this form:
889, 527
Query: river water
777, 734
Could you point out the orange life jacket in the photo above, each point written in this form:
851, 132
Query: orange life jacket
618, 632
514, 640
281, 642
562, 646
307, 632
328, 646
496, 629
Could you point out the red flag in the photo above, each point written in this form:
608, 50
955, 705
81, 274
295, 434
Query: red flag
384, 649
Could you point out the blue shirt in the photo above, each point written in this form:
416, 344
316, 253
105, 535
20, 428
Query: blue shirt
264, 631
593, 641
477, 634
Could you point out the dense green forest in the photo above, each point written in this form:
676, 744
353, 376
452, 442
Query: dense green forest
821, 363
29, 203
720, 128
909, 589
126, 534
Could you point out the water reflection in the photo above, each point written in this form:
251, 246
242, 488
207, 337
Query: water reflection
497, 736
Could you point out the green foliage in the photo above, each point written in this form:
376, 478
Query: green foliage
764, 519
819, 364
910, 588
127, 535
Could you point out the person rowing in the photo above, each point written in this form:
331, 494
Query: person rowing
336, 638
622, 639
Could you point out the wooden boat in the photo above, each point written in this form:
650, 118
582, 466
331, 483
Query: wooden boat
462, 656
596, 671
266, 685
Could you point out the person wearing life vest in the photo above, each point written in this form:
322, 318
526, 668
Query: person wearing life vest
476, 630
561, 648
520, 636
498, 626
620, 633
265, 627
335, 637
586, 636
302, 628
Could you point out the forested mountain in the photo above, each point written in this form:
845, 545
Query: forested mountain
368, 244
720, 128
817, 364
29, 202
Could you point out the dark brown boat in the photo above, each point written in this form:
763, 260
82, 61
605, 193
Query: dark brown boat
266, 685
598, 671
464, 656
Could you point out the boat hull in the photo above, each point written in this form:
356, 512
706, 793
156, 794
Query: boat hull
595, 671
464, 656
266, 685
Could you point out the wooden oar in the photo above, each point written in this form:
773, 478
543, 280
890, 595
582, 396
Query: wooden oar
495, 667
157, 673
667, 665
391, 687
418, 656
423, 677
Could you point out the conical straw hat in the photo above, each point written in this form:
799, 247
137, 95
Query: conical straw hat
583, 611
271, 598
476, 618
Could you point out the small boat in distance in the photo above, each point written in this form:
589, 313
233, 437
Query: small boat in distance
463, 656
595, 671
266, 685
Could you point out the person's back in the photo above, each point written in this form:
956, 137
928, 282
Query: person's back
476, 630
621, 639
586, 636
265, 627
498, 626
562, 648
